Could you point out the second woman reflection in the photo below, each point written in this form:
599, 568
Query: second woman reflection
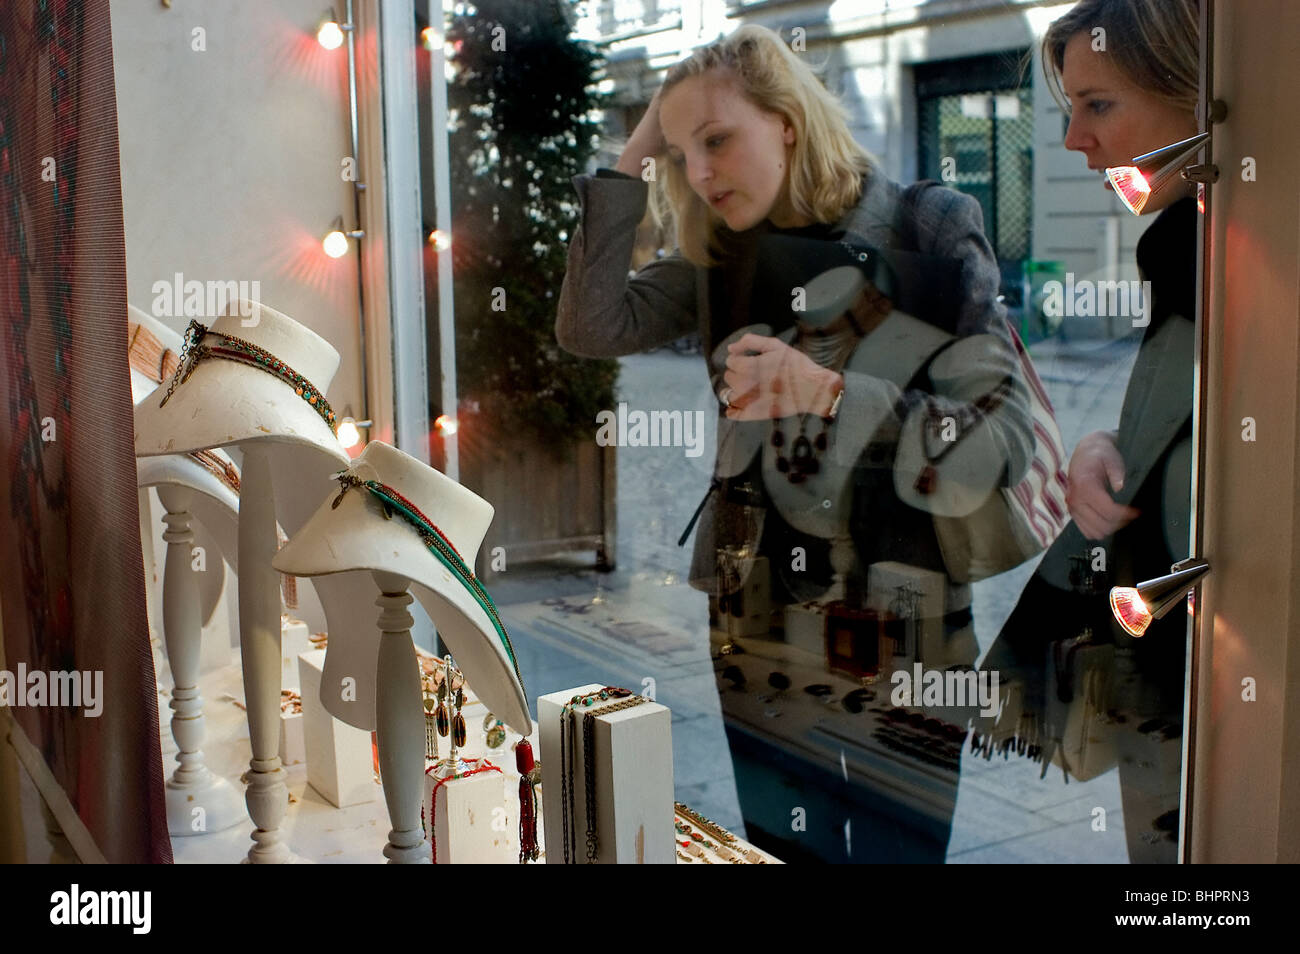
1130, 488
792, 263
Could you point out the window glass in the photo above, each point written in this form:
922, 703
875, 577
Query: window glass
793, 457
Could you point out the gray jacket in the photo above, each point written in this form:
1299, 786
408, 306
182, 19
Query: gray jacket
603, 312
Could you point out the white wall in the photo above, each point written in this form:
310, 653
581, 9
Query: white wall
230, 159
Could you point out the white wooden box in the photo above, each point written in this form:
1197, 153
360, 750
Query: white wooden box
340, 760
293, 750
295, 639
633, 782
471, 824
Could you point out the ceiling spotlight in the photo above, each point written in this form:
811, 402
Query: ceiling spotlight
1152, 171
446, 424
440, 240
1136, 606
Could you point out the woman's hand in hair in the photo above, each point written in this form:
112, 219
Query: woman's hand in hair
1097, 470
770, 379
646, 140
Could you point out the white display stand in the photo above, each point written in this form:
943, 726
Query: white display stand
633, 785
469, 820
339, 757
198, 801
352, 531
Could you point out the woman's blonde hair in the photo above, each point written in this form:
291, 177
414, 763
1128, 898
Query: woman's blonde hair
827, 165
1154, 43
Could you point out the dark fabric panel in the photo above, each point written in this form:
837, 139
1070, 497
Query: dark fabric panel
73, 579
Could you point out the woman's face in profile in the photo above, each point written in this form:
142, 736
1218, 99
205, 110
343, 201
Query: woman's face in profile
1112, 119
735, 156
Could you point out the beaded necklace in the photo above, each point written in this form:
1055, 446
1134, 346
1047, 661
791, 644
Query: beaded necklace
829, 347
438, 544
243, 352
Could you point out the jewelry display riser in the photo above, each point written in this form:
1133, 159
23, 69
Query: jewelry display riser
340, 759
633, 782
469, 819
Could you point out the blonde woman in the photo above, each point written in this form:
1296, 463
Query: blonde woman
748, 147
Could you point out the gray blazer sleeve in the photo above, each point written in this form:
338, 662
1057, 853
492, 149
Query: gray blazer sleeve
950, 225
604, 313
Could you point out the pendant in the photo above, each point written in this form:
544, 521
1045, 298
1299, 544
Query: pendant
820, 442
782, 465
778, 437
458, 731
496, 737
443, 722
802, 450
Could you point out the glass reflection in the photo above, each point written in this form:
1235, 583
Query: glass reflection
883, 464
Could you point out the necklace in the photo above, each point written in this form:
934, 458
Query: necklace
530, 774
623, 699
480, 766
589, 766
243, 352
438, 544
225, 472
828, 347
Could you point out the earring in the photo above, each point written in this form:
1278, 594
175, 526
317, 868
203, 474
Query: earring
443, 721
459, 735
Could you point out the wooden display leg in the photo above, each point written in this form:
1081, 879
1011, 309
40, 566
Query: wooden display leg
267, 795
198, 802
400, 717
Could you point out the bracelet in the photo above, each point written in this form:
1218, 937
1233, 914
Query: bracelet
835, 406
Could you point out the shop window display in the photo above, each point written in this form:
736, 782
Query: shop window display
767, 489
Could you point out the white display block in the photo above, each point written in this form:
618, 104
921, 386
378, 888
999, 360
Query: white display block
293, 749
926, 641
340, 760
295, 639
633, 784
471, 824
805, 627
